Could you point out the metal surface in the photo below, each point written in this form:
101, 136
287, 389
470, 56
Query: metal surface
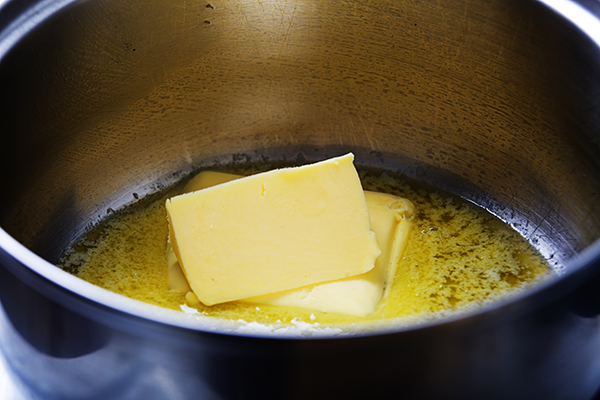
495, 101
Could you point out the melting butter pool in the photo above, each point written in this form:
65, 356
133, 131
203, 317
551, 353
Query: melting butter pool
459, 257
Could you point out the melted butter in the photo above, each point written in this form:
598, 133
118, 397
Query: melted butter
458, 257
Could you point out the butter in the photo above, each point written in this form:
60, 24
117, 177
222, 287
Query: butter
359, 295
206, 179
177, 280
274, 231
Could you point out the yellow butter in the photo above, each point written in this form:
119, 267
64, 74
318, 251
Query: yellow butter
359, 295
177, 279
274, 231
206, 179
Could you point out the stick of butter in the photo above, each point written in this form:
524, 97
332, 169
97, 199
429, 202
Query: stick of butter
273, 231
359, 295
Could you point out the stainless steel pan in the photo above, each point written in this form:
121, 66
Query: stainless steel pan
106, 101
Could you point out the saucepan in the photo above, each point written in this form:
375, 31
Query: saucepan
107, 101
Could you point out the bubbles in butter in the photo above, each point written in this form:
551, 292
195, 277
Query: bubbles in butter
459, 257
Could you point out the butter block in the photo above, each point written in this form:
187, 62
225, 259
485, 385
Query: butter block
273, 231
390, 218
206, 179
177, 280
